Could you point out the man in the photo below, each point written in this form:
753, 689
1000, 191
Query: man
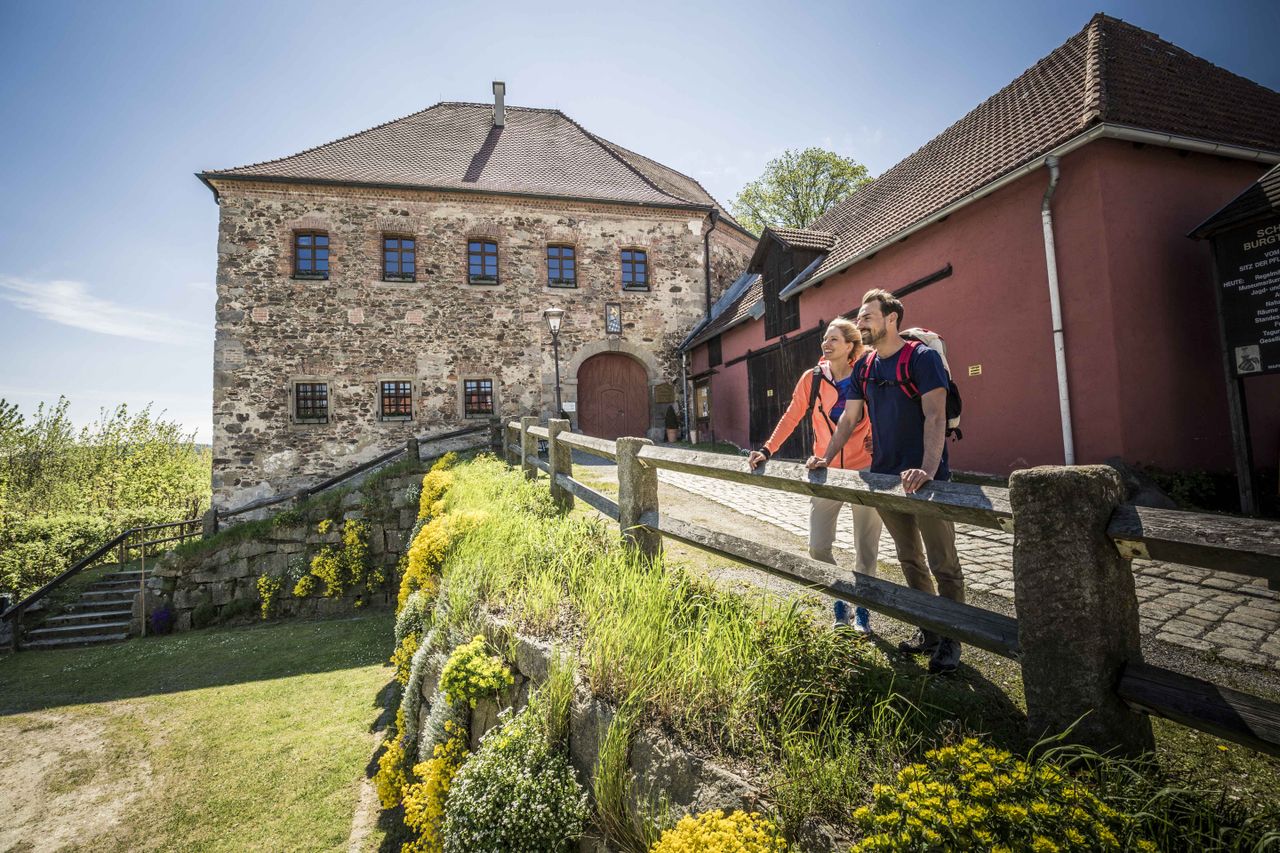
910, 441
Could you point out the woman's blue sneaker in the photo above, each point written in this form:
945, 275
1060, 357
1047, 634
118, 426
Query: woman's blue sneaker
842, 614
861, 620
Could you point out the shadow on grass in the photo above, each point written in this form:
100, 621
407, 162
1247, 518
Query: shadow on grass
36, 680
966, 699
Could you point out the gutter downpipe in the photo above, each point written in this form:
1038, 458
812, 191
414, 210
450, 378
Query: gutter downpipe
714, 216
684, 390
1055, 306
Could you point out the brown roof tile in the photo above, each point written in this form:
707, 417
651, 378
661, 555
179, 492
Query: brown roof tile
1109, 72
456, 146
804, 238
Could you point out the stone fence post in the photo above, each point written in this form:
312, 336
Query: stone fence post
637, 494
495, 437
561, 458
209, 524
528, 447
411, 450
1076, 606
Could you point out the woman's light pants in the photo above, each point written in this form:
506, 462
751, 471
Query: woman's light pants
823, 513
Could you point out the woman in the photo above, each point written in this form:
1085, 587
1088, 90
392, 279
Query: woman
841, 348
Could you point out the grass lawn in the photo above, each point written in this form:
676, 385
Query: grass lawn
253, 738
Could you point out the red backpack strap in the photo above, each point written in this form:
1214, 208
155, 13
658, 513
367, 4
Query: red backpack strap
866, 372
903, 371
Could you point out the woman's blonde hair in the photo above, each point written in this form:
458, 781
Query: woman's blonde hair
850, 333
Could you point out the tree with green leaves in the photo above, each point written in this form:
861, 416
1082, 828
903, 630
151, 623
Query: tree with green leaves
797, 188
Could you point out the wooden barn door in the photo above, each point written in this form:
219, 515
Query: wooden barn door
613, 397
771, 377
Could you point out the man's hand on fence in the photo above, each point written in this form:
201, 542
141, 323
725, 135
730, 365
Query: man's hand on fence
813, 463
913, 479
754, 458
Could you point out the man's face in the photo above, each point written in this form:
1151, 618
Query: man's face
871, 323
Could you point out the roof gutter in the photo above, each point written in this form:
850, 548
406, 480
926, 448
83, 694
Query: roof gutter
1101, 131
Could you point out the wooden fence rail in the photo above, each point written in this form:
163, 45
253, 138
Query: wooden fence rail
1076, 635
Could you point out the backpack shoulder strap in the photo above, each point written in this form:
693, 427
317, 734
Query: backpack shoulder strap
903, 371
865, 363
813, 393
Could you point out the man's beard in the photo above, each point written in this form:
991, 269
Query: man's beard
870, 338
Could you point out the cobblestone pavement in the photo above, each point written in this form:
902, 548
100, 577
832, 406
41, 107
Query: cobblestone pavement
1231, 616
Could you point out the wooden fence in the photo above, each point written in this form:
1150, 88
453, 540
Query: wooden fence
1076, 637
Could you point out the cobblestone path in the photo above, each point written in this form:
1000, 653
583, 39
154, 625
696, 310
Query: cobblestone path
1231, 616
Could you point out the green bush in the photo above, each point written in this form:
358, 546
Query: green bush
516, 794
35, 549
204, 615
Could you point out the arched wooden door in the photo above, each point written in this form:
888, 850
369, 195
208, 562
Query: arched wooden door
613, 396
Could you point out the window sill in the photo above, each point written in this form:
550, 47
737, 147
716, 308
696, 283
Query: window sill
310, 422
478, 416
399, 279
394, 418
626, 289
563, 285
483, 282
304, 276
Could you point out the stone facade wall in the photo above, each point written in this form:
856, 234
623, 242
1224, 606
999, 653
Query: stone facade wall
354, 329
226, 575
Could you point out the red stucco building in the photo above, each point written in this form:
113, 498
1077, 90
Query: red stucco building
1148, 141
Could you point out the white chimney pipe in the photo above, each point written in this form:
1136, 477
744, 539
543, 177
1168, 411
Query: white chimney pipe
499, 109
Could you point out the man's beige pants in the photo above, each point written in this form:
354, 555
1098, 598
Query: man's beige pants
927, 551
823, 513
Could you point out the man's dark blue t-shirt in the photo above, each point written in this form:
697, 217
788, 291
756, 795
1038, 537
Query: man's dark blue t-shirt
897, 421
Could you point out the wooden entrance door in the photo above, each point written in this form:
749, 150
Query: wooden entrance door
771, 377
613, 397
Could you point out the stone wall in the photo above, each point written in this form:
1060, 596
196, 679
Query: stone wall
354, 330
223, 572
661, 767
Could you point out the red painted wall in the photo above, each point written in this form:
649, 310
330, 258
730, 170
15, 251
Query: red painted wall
1144, 367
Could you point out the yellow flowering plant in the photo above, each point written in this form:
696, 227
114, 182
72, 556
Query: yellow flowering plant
424, 801
391, 779
342, 567
428, 550
402, 657
269, 594
717, 832
470, 674
975, 797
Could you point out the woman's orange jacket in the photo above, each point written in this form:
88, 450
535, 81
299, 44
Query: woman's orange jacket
856, 453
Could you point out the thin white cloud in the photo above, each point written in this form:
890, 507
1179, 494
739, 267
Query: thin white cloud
71, 304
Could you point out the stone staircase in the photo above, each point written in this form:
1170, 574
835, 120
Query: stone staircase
101, 615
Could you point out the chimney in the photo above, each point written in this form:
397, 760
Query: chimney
499, 110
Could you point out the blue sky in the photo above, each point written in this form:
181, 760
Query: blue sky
107, 241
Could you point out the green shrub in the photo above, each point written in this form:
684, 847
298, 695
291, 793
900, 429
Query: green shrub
204, 615
237, 607
516, 794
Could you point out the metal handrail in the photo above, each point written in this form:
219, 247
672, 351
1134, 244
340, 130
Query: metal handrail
261, 503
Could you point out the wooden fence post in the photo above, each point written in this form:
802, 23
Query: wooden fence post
512, 439
1076, 605
561, 458
495, 437
528, 447
637, 494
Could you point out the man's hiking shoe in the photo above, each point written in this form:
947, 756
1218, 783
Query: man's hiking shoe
922, 643
842, 614
946, 658
861, 620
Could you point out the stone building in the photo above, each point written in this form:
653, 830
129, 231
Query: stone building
393, 283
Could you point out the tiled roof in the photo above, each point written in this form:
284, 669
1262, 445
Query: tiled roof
1110, 72
456, 146
733, 308
1262, 198
804, 238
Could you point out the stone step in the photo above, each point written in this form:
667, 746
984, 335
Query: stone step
73, 642
87, 618
78, 630
123, 576
97, 605
100, 594
116, 585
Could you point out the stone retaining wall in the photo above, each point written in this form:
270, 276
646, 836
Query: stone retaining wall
661, 767
226, 576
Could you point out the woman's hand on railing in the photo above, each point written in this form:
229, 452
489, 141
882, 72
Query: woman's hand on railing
814, 463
